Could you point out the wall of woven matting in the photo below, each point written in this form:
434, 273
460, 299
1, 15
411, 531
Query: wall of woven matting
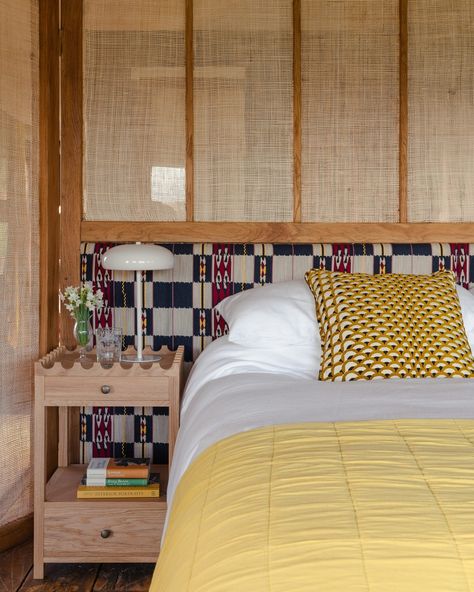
441, 108
350, 111
243, 122
232, 131
134, 117
18, 250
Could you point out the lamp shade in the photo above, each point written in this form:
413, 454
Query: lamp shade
137, 257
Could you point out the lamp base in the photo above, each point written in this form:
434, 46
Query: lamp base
133, 358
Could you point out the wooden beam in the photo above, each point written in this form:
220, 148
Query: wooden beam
71, 152
16, 532
276, 232
49, 201
189, 112
403, 121
49, 170
296, 110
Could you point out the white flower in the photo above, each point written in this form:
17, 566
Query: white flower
76, 298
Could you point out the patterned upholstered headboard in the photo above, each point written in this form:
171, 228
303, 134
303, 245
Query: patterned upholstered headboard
179, 308
179, 302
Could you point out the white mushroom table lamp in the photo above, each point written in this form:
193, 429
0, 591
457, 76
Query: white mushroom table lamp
138, 257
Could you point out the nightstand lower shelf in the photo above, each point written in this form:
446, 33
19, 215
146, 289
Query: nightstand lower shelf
100, 530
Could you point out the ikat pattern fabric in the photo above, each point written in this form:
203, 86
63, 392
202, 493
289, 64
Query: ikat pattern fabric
179, 309
390, 326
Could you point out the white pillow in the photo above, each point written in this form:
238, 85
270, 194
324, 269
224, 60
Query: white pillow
466, 300
277, 314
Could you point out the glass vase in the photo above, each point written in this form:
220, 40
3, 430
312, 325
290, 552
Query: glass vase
84, 336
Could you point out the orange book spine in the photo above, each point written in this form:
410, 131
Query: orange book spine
128, 473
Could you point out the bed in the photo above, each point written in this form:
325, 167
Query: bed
284, 483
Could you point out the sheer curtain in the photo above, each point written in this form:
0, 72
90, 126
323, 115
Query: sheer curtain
19, 248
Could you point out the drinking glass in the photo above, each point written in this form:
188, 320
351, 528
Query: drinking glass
108, 345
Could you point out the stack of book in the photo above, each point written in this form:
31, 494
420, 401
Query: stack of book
119, 478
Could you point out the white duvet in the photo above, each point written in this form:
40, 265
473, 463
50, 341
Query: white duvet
231, 390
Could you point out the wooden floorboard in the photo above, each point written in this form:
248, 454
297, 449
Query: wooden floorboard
16, 575
64, 577
134, 577
14, 566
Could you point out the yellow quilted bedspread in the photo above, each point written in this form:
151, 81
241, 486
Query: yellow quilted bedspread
378, 506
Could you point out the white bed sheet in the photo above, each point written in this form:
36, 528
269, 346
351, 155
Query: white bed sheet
226, 395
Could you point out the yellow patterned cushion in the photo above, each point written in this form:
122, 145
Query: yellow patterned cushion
387, 326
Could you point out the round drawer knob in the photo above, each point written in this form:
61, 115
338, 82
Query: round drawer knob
105, 533
105, 388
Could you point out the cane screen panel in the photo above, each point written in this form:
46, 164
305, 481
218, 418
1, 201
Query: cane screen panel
243, 110
441, 111
350, 56
19, 248
134, 110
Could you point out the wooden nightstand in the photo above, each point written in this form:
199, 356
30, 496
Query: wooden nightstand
68, 530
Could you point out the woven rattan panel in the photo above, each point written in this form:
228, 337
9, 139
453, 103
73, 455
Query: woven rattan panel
18, 249
441, 111
134, 110
243, 110
350, 110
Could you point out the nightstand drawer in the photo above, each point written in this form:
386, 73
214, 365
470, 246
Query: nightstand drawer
107, 390
103, 531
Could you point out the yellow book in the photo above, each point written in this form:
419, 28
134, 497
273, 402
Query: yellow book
107, 491
99, 491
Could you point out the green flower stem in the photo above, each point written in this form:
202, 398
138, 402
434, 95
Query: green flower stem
82, 315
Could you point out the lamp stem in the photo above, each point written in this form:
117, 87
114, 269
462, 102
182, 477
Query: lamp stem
139, 305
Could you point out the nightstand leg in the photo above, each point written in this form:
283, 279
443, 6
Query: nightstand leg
173, 418
63, 437
38, 570
39, 478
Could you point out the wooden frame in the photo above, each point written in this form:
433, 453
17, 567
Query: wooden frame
190, 231
71, 151
49, 198
189, 49
403, 117
276, 232
49, 173
297, 111
74, 229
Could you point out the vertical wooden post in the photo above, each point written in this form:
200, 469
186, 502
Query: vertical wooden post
189, 112
49, 192
71, 186
296, 110
49, 197
39, 476
71, 152
403, 138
